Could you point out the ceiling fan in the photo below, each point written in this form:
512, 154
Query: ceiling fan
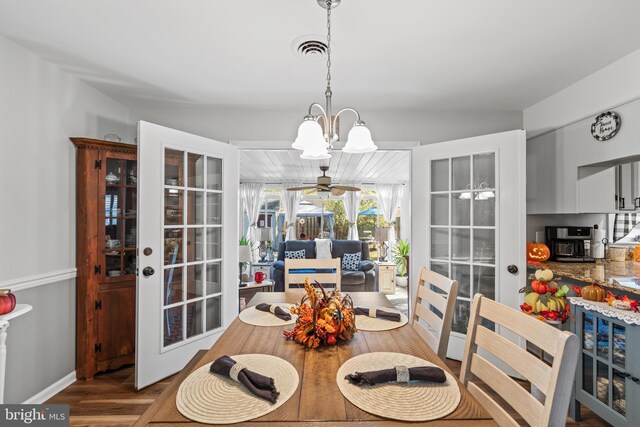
323, 184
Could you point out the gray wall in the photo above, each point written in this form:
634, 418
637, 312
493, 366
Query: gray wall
281, 125
40, 108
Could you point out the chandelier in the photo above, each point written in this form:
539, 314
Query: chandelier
316, 141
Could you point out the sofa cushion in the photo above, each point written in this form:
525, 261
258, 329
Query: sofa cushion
351, 262
366, 265
352, 277
341, 247
309, 247
294, 254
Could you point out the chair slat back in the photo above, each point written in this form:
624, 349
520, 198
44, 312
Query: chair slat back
434, 328
553, 381
311, 264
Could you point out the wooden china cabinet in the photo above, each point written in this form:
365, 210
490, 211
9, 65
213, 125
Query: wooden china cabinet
106, 255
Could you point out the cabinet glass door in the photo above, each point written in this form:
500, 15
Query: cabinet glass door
120, 199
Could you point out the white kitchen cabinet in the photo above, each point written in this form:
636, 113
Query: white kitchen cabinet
386, 277
568, 171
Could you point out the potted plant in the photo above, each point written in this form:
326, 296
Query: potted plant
244, 257
400, 257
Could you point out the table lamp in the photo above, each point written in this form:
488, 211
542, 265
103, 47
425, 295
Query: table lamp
264, 236
382, 235
244, 258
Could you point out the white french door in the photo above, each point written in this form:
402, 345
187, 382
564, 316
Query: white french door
468, 220
188, 247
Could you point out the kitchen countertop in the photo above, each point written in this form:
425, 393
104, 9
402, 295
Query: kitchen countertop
601, 272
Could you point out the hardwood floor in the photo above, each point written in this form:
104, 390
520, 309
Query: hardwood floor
110, 399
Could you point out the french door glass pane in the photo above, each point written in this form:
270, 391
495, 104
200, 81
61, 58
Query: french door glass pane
462, 273
172, 325
214, 208
484, 281
440, 175
213, 278
484, 210
460, 244
172, 246
172, 206
461, 316
195, 244
460, 209
214, 173
440, 268
484, 245
214, 313
195, 207
173, 167
172, 285
194, 319
194, 281
214, 243
484, 170
440, 243
461, 173
440, 209
195, 168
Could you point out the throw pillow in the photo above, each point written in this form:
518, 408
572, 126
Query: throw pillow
351, 262
295, 254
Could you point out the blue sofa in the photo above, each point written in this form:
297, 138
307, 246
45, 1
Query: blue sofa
363, 280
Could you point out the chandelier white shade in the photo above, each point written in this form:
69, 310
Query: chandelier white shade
317, 140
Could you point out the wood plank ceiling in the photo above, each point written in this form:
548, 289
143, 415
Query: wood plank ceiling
276, 166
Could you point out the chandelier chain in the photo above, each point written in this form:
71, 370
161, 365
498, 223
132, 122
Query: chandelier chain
329, 43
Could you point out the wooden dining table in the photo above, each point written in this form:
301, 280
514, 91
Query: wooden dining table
317, 399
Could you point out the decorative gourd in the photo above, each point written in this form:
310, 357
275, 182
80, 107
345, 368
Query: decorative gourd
593, 292
538, 252
7, 301
544, 275
542, 287
553, 303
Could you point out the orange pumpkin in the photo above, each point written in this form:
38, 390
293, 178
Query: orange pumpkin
538, 252
593, 292
542, 287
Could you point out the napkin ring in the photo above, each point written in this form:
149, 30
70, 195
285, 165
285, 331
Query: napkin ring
235, 370
372, 312
402, 374
272, 308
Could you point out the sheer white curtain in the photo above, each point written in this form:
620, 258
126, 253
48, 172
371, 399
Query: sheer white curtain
389, 197
252, 194
351, 202
290, 203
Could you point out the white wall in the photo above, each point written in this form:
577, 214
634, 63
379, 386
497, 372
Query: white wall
278, 125
40, 108
613, 85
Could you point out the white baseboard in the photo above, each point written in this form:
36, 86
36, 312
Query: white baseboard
52, 390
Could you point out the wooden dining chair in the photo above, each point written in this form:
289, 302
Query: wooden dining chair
312, 265
438, 292
554, 381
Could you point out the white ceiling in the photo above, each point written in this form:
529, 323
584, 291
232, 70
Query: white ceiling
276, 166
417, 54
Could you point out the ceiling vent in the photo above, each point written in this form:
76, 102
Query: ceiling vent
311, 46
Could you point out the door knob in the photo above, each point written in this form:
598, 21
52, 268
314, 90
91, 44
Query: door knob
148, 271
512, 269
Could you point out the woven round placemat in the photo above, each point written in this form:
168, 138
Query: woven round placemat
262, 318
413, 401
366, 323
213, 399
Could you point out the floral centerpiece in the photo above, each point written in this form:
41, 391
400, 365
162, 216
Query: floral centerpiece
545, 298
323, 318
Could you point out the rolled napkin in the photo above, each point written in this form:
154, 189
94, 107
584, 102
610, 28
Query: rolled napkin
400, 374
371, 312
256, 383
277, 310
